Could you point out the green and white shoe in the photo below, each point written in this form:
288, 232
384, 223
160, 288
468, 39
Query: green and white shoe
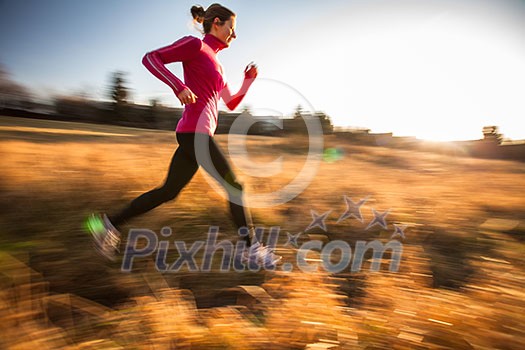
106, 238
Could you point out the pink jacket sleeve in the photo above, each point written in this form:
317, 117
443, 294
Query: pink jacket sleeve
232, 101
180, 51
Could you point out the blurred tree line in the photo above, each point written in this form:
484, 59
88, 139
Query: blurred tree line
12, 94
118, 109
18, 100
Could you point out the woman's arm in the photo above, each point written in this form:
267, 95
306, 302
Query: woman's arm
232, 101
181, 50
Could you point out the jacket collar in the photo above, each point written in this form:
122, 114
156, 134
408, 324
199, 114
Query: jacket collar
213, 42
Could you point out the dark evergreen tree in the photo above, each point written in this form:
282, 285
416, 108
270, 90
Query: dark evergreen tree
118, 90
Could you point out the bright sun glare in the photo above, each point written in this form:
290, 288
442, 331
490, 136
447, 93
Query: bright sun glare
441, 75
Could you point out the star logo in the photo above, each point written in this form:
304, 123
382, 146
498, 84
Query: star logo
318, 220
292, 239
379, 219
399, 231
353, 209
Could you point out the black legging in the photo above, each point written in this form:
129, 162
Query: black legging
184, 165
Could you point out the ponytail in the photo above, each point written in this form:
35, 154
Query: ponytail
197, 12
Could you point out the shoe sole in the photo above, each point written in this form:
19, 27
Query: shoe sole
96, 241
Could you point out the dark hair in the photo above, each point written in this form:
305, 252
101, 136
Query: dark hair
207, 17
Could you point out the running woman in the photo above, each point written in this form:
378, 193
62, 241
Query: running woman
200, 92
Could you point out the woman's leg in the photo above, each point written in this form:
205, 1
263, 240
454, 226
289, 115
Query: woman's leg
220, 169
181, 170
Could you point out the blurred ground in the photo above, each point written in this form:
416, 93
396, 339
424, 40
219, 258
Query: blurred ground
459, 286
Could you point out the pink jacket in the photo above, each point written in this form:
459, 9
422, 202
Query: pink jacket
203, 74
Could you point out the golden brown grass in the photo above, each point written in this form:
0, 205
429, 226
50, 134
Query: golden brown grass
460, 283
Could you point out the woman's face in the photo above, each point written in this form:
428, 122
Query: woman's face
226, 31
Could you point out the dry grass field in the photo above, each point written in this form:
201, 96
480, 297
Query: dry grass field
460, 283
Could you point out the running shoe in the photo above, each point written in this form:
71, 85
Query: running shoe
262, 255
106, 238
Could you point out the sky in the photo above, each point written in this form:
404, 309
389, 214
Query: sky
434, 69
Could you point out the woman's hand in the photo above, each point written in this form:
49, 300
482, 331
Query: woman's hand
187, 97
251, 71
